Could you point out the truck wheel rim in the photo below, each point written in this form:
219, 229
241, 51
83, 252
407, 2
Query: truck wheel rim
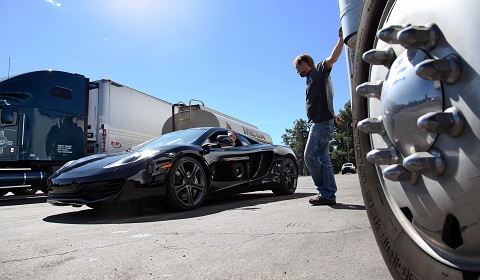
423, 125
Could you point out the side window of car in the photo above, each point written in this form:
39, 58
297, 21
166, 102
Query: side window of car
243, 140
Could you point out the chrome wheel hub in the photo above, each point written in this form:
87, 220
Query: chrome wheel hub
405, 98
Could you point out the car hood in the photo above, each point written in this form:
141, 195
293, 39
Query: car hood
101, 168
102, 163
98, 162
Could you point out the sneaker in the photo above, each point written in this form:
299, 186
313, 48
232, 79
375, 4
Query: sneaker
318, 200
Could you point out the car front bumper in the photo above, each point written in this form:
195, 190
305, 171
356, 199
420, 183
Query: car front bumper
102, 193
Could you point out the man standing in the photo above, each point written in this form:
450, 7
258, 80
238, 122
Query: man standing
321, 118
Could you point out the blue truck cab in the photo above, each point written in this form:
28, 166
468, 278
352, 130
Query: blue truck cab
43, 125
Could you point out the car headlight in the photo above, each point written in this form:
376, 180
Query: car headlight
132, 158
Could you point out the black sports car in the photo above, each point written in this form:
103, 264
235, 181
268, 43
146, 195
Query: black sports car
182, 168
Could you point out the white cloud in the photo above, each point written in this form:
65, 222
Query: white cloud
54, 3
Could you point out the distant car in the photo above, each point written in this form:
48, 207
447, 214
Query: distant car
348, 168
180, 168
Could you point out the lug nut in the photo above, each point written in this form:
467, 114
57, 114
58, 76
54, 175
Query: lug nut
419, 36
372, 125
383, 57
370, 89
425, 163
447, 70
397, 173
390, 34
451, 122
383, 156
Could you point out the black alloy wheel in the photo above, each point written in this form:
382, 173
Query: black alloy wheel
288, 178
187, 184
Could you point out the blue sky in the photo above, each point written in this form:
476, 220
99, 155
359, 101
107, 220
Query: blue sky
236, 56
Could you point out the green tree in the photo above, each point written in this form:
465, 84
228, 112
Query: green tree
341, 145
296, 139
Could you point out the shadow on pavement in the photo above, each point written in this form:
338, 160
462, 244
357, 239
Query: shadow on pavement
132, 214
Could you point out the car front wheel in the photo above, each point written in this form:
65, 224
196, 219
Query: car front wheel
186, 185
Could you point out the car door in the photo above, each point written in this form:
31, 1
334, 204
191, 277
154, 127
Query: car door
230, 166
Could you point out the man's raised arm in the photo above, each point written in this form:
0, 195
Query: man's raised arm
337, 50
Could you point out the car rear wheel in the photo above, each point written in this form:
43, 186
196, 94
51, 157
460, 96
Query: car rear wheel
417, 137
187, 184
288, 178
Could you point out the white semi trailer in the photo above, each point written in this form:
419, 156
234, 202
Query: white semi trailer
120, 117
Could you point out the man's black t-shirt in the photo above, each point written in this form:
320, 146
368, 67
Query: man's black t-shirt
319, 94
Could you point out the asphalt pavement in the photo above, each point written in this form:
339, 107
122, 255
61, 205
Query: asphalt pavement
248, 236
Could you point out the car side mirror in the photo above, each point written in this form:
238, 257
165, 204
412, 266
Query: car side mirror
208, 146
224, 139
7, 114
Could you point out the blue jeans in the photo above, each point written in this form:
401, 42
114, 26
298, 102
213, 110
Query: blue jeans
317, 158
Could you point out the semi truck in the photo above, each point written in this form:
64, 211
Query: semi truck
51, 117
415, 94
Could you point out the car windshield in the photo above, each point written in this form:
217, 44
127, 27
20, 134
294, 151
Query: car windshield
176, 137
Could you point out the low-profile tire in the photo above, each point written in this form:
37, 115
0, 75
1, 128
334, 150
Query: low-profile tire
288, 178
186, 184
24, 191
426, 226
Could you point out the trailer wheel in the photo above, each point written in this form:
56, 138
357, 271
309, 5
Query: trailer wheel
187, 184
288, 178
417, 135
24, 191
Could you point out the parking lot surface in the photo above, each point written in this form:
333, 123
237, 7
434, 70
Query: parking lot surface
248, 236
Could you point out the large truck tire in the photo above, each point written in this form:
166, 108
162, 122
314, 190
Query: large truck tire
417, 135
